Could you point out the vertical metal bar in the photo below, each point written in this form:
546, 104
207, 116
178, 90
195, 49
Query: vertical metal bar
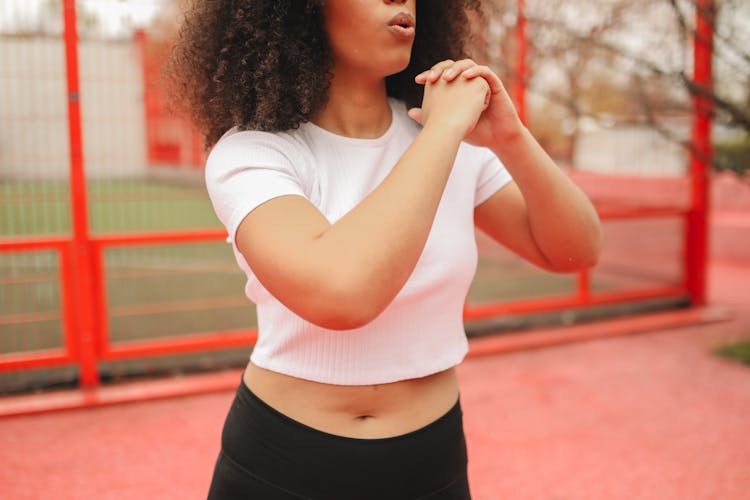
81, 246
522, 69
584, 286
100, 301
67, 291
148, 98
697, 222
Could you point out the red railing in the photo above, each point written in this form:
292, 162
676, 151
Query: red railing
84, 308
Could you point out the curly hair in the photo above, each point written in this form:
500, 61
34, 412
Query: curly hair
266, 64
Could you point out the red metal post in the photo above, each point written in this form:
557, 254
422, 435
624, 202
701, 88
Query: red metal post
67, 294
148, 98
522, 69
697, 222
82, 303
584, 286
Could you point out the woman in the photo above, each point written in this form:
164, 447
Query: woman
354, 222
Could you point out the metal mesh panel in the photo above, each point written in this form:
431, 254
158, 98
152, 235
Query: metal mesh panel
143, 172
30, 311
38, 379
640, 253
34, 194
118, 205
114, 371
168, 290
503, 276
138, 178
30, 301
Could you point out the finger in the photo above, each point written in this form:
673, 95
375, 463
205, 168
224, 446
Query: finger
416, 115
487, 91
496, 85
433, 74
451, 73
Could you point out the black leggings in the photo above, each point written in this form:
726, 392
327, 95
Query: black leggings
266, 455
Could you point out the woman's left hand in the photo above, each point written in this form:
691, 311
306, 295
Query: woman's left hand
499, 121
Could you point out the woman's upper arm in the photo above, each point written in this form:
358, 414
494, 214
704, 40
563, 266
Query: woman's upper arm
260, 193
258, 189
278, 241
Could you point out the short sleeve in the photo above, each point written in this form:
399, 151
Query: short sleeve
492, 175
246, 169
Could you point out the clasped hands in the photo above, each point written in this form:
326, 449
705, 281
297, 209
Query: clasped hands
472, 97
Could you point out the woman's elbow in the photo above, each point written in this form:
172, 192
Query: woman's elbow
585, 256
345, 306
572, 264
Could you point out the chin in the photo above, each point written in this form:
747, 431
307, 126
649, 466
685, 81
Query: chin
398, 67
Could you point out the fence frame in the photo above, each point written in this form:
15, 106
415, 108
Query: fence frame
81, 255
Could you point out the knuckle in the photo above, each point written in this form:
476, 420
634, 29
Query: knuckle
443, 64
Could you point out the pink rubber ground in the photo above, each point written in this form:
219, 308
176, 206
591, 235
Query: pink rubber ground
652, 416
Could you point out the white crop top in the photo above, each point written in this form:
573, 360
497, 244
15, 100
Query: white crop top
421, 332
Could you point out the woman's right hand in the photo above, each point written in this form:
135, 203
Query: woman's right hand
456, 104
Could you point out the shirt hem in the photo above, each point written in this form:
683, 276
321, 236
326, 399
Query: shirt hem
361, 381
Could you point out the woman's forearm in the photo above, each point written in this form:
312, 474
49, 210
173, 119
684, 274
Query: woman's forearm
371, 251
562, 220
342, 275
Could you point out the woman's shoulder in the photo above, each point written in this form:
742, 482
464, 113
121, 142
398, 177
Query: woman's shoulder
238, 145
237, 139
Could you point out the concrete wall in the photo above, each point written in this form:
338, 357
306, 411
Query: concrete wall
33, 109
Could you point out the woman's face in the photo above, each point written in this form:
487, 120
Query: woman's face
371, 36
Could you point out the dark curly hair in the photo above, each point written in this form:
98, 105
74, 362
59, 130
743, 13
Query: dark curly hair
266, 64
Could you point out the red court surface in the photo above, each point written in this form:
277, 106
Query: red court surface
648, 416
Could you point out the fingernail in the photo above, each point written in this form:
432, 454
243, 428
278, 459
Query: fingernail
449, 73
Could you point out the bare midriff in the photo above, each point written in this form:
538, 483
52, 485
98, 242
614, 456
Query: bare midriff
364, 412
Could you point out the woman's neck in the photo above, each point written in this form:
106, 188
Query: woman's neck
356, 107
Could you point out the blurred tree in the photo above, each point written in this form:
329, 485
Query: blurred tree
622, 60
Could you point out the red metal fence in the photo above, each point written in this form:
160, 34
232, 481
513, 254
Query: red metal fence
94, 328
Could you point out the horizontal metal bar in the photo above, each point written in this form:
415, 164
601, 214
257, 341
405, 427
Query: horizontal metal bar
26, 278
177, 270
176, 306
34, 359
29, 317
19, 244
665, 291
607, 212
158, 238
488, 310
483, 311
174, 345
33, 244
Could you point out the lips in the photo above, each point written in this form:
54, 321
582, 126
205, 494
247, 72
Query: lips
402, 19
402, 25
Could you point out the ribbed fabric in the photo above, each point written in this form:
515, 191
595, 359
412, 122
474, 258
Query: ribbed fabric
421, 332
